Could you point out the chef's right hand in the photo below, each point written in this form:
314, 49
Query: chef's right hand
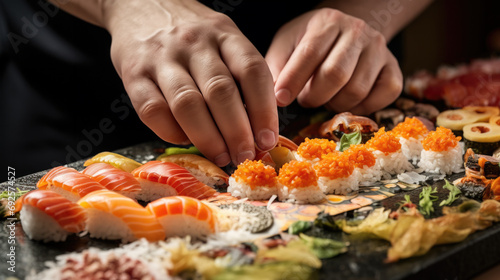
193, 77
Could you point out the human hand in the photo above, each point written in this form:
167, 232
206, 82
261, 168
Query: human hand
325, 57
182, 65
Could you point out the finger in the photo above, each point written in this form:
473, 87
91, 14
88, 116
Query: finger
189, 109
224, 101
361, 83
279, 53
250, 70
334, 73
153, 110
310, 52
387, 88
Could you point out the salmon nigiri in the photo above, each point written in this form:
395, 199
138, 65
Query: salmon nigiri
114, 216
160, 179
183, 215
48, 216
68, 182
114, 179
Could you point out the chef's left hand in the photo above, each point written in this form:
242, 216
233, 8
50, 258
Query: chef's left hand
325, 57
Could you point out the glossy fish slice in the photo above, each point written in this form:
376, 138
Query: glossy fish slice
117, 160
114, 179
172, 177
69, 183
48, 216
114, 216
182, 215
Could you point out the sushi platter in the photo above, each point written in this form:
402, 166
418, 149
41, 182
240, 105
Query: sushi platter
363, 260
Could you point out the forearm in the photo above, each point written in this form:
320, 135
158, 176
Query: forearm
386, 16
92, 11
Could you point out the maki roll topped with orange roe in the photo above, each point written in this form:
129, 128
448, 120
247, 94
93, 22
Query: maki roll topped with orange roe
253, 180
441, 152
410, 133
387, 150
337, 174
313, 149
365, 163
298, 183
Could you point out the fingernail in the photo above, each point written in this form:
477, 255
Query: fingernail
245, 155
283, 96
222, 159
266, 139
185, 143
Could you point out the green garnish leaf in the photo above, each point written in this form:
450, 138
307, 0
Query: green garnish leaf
325, 221
177, 150
452, 195
324, 248
426, 199
299, 226
349, 139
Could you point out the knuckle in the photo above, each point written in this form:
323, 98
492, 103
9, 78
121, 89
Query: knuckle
337, 74
357, 91
220, 89
311, 52
358, 27
254, 64
189, 35
150, 109
185, 99
329, 14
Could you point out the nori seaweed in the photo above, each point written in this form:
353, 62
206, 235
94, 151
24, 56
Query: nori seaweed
480, 147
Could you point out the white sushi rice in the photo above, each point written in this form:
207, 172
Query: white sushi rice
151, 191
340, 186
446, 162
369, 175
101, 224
243, 190
39, 226
306, 195
67, 194
207, 180
393, 163
181, 225
411, 148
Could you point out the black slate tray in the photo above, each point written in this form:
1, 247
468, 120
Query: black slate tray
364, 259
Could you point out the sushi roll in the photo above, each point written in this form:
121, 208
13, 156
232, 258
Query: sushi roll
483, 113
160, 179
456, 120
298, 183
116, 217
48, 216
411, 132
114, 179
387, 150
253, 180
69, 183
201, 168
365, 163
122, 162
336, 174
313, 149
482, 138
182, 216
441, 153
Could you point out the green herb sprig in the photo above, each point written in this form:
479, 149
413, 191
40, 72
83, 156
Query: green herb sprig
426, 200
453, 195
349, 139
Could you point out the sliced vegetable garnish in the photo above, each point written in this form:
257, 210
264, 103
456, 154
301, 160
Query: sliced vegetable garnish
177, 150
299, 226
426, 199
324, 248
452, 196
349, 139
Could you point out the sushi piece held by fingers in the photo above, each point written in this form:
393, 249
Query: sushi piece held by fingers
253, 180
117, 217
114, 179
182, 215
336, 174
411, 132
441, 153
48, 216
204, 170
159, 179
69, 183
387, 150
298, 183
122, 162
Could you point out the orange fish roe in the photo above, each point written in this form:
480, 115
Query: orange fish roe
315, 148
440, 140
385, 142
255, 173
360, 156
297, 174
411, 127
335, 166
